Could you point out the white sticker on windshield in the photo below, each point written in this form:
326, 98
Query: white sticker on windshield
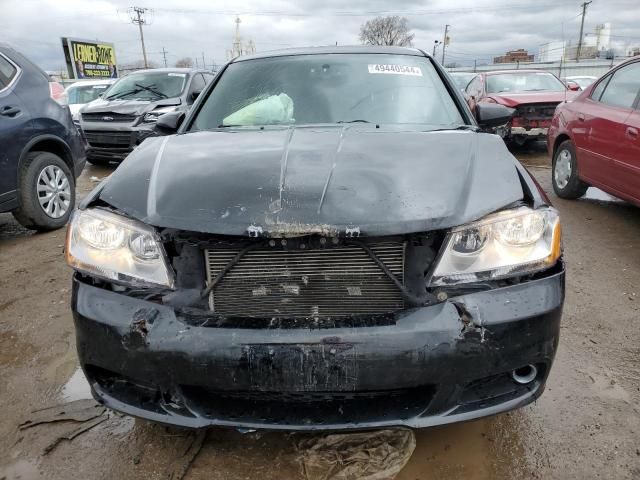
177, 74
395, 69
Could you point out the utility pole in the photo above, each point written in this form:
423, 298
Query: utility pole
204, 65
164, 54
139, 20
197, 66
475, 66
445, 41
584, 12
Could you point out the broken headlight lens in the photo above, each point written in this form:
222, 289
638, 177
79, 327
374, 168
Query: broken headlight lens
116, 248
504, 244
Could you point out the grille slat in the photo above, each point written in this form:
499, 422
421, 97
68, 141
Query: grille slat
108, 139
313, 283
113, 116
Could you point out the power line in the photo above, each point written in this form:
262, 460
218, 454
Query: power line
351, 13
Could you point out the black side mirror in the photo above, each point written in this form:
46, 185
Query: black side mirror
490, 115
195, 94
169, 123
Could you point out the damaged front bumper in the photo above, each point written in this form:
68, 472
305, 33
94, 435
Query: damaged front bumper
432, 365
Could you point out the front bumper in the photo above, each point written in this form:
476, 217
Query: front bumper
445, 363
113, 142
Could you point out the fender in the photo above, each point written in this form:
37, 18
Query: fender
48, 137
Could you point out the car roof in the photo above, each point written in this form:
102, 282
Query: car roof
105, 81
171, 70
364, 49
520, 70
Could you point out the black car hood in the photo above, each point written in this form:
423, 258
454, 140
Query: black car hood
129, 107
327, 180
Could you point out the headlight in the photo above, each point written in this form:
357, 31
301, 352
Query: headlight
504, 244
153, 115
116, 248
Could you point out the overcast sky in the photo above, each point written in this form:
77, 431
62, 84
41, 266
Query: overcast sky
479, 29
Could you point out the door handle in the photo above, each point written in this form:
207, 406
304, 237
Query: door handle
10, 111
632, 133
580, 117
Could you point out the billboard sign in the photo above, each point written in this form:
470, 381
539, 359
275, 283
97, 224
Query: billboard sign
89, 59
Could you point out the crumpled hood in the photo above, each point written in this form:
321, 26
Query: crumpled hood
321, 179
512, 100
129, 107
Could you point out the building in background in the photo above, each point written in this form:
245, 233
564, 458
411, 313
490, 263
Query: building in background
551, 52
514, 56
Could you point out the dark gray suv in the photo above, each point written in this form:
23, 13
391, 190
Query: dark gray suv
125, 115
41, 151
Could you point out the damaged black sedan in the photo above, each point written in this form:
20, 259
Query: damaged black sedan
326, 241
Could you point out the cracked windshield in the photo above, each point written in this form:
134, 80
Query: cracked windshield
319, 241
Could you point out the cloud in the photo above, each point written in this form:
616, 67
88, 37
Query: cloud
479, 30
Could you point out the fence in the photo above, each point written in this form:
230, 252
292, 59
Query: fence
594, 68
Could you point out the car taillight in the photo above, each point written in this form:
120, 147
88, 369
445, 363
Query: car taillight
57, 93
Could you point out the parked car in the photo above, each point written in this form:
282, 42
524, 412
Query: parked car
41, 152
81, 93
583, 81
462, 79
120, 120
328, 242
534, 94
595, 140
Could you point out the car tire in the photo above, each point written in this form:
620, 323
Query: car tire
99, 162
47, 192
564, 172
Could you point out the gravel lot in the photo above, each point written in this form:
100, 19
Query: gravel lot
586, 425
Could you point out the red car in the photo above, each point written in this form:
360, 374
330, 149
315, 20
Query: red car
595, 139
533, 93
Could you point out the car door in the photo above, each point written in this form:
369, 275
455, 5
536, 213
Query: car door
604, 120
626, 163
14, 123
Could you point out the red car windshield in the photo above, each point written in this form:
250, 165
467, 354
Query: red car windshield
524, 82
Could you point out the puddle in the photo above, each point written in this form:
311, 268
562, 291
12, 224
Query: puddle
77, 388
597, 194
22, 469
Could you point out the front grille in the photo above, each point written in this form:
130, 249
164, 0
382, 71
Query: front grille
308, 408
342, 281
106, 139
108, 117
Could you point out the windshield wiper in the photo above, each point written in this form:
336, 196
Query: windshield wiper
123, 94
152, 90
353, 121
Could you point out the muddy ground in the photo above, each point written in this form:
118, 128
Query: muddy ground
586, 425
